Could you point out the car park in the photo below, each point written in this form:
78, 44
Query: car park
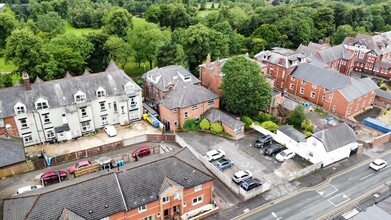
241, 175
263, 141
224, 163
250, 184
53, 176
105, 162
273, 149
378, 164
215, 155
110, 130
285, 155
79, 165
141, 152
28, 189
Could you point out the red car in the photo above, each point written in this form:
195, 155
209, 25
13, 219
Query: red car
141, 151
53, 176
81, 164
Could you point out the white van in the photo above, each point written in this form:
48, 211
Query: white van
28, 189
110, 130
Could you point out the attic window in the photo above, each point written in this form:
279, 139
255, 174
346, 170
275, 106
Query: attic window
19, 108
41, 104
129, 87
80, 97
100, 92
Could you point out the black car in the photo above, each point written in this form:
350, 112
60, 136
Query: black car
273, 149
263, 141
250, 184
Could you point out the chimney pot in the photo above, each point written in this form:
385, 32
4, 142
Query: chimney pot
26, 79
207, 64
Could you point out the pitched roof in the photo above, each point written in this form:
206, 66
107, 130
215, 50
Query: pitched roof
185, 95
164, 77
166, 184
11, 151
282, 57
98, 195
292, 133
334, 53
383, 94
336, 137
358, 88
329, 79
61, 92
214, 115
312, 48
377, 43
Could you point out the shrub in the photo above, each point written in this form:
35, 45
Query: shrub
216, 128
257, 123
383, 87
308, 133
269, 125
204, 124
297, 116
310, 128
190, 125
248, 121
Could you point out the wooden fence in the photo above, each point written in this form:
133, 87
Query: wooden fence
88, 169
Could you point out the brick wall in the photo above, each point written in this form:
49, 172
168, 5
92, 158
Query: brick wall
385, 103
378, 141
14, 129
211, 80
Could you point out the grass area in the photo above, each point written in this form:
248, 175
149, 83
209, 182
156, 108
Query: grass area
205, 13
79, 31
320, 111
6, 67
133, 70
138, 21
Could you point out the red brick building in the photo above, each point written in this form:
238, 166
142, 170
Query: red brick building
280, 62
333, 91
158, 187
373, 53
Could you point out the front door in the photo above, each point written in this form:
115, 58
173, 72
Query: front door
166, 214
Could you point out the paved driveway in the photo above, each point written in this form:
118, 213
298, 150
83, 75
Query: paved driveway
245, 157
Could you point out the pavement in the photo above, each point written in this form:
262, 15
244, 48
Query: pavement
101, 138
373, 113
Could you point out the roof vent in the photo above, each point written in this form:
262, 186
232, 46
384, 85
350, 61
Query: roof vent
90, 212
185, 178
106, 206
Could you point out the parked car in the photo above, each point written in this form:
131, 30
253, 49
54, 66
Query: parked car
53, 176
250, 184
215, 155
273, 149
241, 175
378, 164
110, 130
79, 165
28, 188
285, 155
224, 163
105, 162
141, 151
263, 141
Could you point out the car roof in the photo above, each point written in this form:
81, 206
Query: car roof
288, 150
143, 147
378, 161
241, 173
214, 151
251, 180
223, 160
84, 162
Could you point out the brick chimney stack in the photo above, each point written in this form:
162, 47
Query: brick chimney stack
26, 79
207, 64
320, 41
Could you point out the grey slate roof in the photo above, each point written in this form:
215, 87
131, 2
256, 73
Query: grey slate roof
336, 137
169, 75
312, 48
292, 133
383, 94
329, 79
334, 53
359, 87
185, 95
377, 43
281, 56
69, 215
11, 151
18, 208
166, 184
61, 92
214, 115
141, 185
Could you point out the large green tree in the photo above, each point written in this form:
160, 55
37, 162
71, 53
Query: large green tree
323, 19
297, 116
119, 50
170, 53
50, 24
117, 22
144, 39
23, 49
98, 60
7, 25
269, 33
246, 90
199, 40
169, 15
341, 33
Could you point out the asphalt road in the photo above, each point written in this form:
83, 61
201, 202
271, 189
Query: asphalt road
341, 190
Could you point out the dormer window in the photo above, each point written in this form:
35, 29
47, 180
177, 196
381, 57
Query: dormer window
41, 104
80, 97
100, 92
129, 87
19, 108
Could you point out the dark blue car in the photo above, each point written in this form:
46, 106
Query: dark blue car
224, 163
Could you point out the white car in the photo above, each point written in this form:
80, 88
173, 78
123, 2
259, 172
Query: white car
28, 189
110, 130
215, 155
241, 175
378, 164
285, 155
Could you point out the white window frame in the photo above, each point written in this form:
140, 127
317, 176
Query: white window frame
314, 86
129, 87
176, 124
177, 195
323, 98
303, 82
83, 112
198, 199
50, 134
46, 118
19, 108
102, 106
142, 208
86, 127
175, 110
194, 106
165, 199
23, 124
198, 188
293, 78
80, 97
41, 104
28, 138
291, 86
186, 115
313, 94
210, 102
101, 92
105, 120
301, 90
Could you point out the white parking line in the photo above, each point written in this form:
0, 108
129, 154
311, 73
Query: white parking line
345, 197
323, 190
366, 176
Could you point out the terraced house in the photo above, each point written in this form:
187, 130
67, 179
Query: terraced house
332, 90
69, 107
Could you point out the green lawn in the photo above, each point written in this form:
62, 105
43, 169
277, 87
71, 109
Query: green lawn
205, 13
138, 21
132, 69
79, 31
6, 67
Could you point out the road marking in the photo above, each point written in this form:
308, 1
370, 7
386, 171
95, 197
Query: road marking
325, 191
366, 176
344, 198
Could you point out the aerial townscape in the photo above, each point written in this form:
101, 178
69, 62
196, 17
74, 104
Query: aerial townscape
195, 109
